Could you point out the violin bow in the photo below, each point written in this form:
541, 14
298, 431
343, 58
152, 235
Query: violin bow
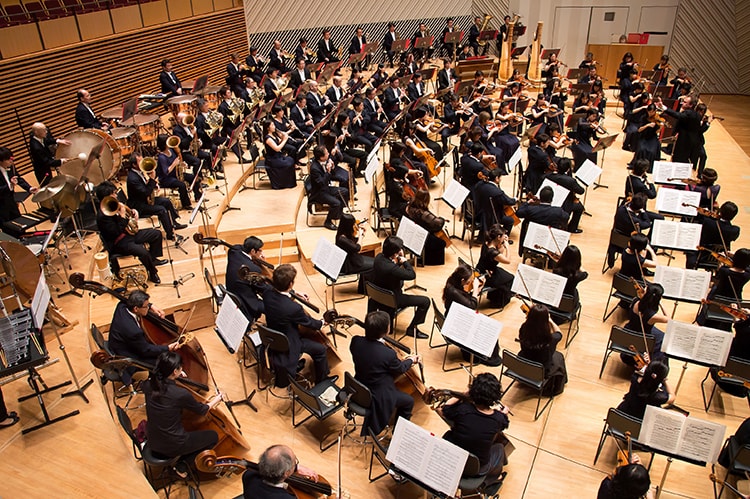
737, 297
559, 251
523, 281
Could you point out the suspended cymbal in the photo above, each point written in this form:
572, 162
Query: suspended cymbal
50, 190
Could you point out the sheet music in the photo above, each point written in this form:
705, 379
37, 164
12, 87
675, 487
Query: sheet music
588, 172
695, 284
661, 429
671, 201
664, 170
514, 160
328, 258
701, 440
670, 279
471, 329
688, 437
545, 287
435, 462
677, 235
40, 301
560, 192
373, 166
455, 194
231, 324
680, 339
542, 235
713, 346
412, 234
702, 344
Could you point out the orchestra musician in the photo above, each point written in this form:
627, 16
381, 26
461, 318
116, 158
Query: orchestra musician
706, 121
647, 388
495, 251
446, 76
209, 142
422, 32
490, 202
285, 125
322, 191
715, 234
269, 84
390, 270
679, 82
345, 146
168, 163
390, 36
538, 163
630, 481
638, 258
117, 240
286, 316
165, 403
588, 61
276, 464
730, 280
590, 77
626, 90
448, 49
373, 112
303, 52
471, 166
474, 37
408, 65
588, 129
643, 317
740, 349
249, 293
569, 267
41, 149
336, 91
168, 80
299, 75
543, 212
663, 65
349, 237
475, 427
637, 180
228, 124
687, 147
142, 197
327, 52
423, 127
707, 187
392, 97
552, 63
7, 419
563, 176
356, 46
202, 159
626, 65
378, 78
317, 105
234, 75
254, 64
395, 178
302, 119
85, 116
276, 57
418, 210
279, 165
539, 336
376, 366
638, 101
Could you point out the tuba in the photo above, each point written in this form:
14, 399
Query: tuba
110, 206
486, 21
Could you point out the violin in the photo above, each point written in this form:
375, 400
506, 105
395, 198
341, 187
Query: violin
722, 259
725, 484
703, 211
727, 375
550, 253
737, 313
687, 181
438, 397
640, 362
302, 487
357, 229
640, 290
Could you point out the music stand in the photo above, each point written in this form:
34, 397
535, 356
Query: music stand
327, 72
129, 109
400, 46
464, 88
576, 73
487, 35
546, 53
602, 145
235, 139
231, 327
663, 92
303, 89
454, 38
200, 83
403, 81
518, 51
369, 49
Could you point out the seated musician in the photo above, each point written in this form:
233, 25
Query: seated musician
476, 427
494, 252
539, 337
708, 188
142, 196
413, 150
209, 137
408, 65
317, 104
392, 97
638, 258
126, 335
269, 84
354, 156
647, 388
322, 191
284, 124
299, 75
490, 202
379, 77
630, 481
41, 147
165, 403
170, 84
348, 237
203, 159
286, 316
168, 164
85, 116
390, 270
396, 175
276, 464
740, 349
299, 115
10, 179
544, 213
302, 51
637, 180
376, 366
583, 103
246, 254
630, 218
741, 437
446, 76
644, 315
715, 234
563, 176
729, 283
472, 166
587, 130
279, 166
424, 126
360, 125
418, 210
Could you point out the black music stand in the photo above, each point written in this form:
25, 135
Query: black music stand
546, 53
355, 59
487, 35
663, 92
602, 145
398, 47
576, 73
233, 346
129, 109
327, 72
578, 88
518, 51
369, 50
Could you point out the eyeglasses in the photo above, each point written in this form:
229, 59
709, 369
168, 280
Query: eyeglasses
296, 464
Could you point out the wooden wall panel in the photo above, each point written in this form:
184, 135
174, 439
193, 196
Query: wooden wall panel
154, 13
179, 9
742, 20
126, 19
17, 40
94, 25
58, 32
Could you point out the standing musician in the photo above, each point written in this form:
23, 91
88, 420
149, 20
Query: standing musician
475, 427
376, 365
254, 64
706, 121
165, 402
422, 32
474, 37
276, 464
276, 57
390, 36
112, 229
234, 75
327, 52
168, 163
563, 176
322, 191
418, 210
446, 76
490, 202
299, 75
142, 187
448, 49
286, 316
356, 45
85, 116
126, 335
687, 147
249, 294
539, 162
41, 149
390, 270
168, 80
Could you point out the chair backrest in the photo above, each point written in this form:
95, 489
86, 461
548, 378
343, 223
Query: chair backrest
622, 284
215, 290
469, 209
383, 296
308, 186
310, 401
272, 339
528, 369
99, 338
126, 424
471, 468
361, 395
377, 446
618, 335
738, 368
742, 458
619, 240
620, 423
567, 304
439, 316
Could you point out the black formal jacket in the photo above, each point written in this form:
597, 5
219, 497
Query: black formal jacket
126, 338
110, 228
716, 231
390, 276
489, 201
327, 55
315, 106
234, 76
42, 158
295, 81
388, 40
320, 180
201, 126
138, 190
569, 183
164, 429
444, 79
331, 93
689, 132
355, 47
538, 163
8, 206
413, 92
635, 184
253, 487
85, 118
299, 118
167, 85
245, 291
544, 214
470, 168
391, 102
624, 224
185, 139
275, 60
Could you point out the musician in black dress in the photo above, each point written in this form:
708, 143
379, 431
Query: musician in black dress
286, 316
717, 234
630, 481
276, 464
637, 180
418, 211
247, 254
647, 388
588, 129
165, 402
569, 266
649, 145
279, 165
539, 337
495, 251
41, 148
376, 366
85, 116
348, 237
395, 178
643, 317
638, 258
740, 349
168, 163
729, 282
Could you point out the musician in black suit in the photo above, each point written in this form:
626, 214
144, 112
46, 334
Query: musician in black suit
336, 91
269, 84
629, 217
355, 47
544, 213
302, 119
422, 32
317, 104
187, 134
446, 76
474, 37
564, 177
392, 97
372, 113
376, 366
249, 293
301, 52
170, 84
275, 466
448, 48
276, 57
359, 125
390, 37
471, 166
286, 316
254, 65
538, 163
322, 191
85, 116
327, 52
490, 202
9, 179
390, 270
115, 238
41, 150
212, 141
234, 75
299, 75
717, 234
687, 147
415, 89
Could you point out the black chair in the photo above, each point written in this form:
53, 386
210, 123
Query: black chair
715, 316
618, 242
616, 425
312, 400
217, 291
382, 215
383, 299
528, 373
343, 279
275, 341
357, 399
313, 207
437, 322
620, 340
569, 310
115, 374
167, 475
471, 483
379, 452
98, 338
471, 222
622, 289
739, 461
735, 372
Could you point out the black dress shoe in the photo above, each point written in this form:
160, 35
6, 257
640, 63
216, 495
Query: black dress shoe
218, 177
413, 331
160, 261
330, 226
154, 278
179, 226
188, 207
576, 231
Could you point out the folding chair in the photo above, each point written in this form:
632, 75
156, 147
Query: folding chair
313, 401
622, 289
736, 372
620, 340
568, 311
527, 373
616, 425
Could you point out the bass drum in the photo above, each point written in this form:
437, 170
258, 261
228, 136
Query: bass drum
86, 141
24, 270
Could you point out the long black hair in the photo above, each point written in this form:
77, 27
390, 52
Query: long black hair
653, 376
166, 364
570, 262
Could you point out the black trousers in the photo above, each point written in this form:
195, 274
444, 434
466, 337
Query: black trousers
181, 187
197, 442
421, 303
333, 198
136, 246
164, 210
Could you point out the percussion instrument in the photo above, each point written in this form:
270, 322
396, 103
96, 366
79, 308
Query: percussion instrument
146, 124
112, 116
83, 142
125, 138
27, 268
182, 104
102, 265
49, 191
70, 196
211, 96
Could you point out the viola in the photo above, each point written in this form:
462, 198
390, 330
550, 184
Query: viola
734, 312
722, 259
551, 254
640, 362
640, 290
721, 483
726, 375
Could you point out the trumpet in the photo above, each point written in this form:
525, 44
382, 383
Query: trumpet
110, 206
173, 142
